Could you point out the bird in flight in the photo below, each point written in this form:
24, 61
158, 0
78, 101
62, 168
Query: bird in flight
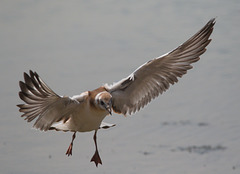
85, 112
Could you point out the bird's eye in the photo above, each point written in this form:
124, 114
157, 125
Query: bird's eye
102, 103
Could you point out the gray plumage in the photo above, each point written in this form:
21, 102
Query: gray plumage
155, 76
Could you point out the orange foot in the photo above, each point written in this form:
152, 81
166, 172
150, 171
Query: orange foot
69, 151
96, 158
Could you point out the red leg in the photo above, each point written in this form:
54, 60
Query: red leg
69, 151
96, 158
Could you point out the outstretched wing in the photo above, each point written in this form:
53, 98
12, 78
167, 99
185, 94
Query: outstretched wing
43, 103
154, 77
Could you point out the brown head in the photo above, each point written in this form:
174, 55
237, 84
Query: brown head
103, 100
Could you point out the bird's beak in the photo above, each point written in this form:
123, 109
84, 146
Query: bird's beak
109, 109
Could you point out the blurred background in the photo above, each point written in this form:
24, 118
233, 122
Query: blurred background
79, 45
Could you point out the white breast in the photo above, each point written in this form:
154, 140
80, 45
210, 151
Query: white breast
85, 118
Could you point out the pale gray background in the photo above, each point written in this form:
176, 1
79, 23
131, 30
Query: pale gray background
78, 45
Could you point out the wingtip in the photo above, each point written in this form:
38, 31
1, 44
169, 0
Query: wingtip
212, 22
20, 94
213, 19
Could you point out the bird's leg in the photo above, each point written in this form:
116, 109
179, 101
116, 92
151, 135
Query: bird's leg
69, 151
96, 158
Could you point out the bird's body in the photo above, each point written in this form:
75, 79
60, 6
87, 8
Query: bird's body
85, 117
85, 112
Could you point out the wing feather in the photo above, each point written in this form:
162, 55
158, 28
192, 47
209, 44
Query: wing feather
43, 103
154, 77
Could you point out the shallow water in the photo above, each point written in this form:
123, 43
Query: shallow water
79, 45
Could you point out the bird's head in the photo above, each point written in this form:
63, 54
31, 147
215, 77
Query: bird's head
103, 100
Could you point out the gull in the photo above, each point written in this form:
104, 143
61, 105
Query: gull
85, 112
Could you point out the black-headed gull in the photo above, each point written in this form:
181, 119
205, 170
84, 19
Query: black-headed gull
85, 112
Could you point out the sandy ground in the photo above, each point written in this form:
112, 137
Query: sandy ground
78, 45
